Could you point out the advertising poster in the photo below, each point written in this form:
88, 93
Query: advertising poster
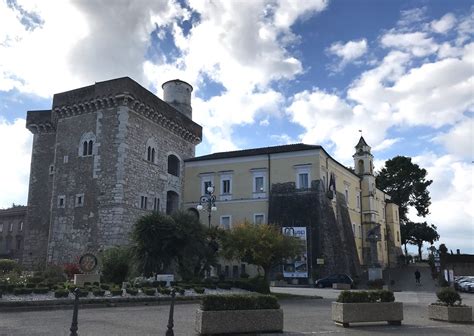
298, 267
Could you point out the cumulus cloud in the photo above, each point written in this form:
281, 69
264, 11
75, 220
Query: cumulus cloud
417, 43
385, 144
16, 143
459, 140
347, 52
445, 24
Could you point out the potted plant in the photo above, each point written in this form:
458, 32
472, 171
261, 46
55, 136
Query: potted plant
367, 306
227, 314
449, 307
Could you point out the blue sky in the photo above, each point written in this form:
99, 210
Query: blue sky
265, 72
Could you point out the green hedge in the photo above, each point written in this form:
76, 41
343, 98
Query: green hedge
149, 291
98, 292
132, 291
41, 290
116, 292
199, 290
22, 291
366, 296
239, 302
60, 293
105, 286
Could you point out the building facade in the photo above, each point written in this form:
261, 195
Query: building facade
103, 156
12, 226
273, 185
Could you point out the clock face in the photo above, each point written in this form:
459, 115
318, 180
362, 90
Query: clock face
88, 262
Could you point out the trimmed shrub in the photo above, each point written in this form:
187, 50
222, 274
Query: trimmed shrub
22, 291
222, 285
199, 290
366, 296
83, 292
164, 291
41, 290
105, 286
132, 291
61, 293
179, 290
449, 296
239, 302
210, 286
95, 283
30, 285
98, 292
157, 283
116, 291
149, 291
87, 283
36, 279
8, 265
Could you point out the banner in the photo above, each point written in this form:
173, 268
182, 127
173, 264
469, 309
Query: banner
298, 267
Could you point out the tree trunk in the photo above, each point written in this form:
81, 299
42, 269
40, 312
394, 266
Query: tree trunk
419, 250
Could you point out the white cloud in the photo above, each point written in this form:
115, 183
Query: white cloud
445, 24
283, 139
16, 143
417, 43
347, 52
385, 144
459, 140
451, 189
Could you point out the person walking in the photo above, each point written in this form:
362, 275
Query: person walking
417, 276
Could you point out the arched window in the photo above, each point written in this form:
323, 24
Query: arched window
172, 202
86, 147
361, 167
150, 152
173, 165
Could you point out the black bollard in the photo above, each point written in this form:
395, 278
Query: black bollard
74, 326
170, 331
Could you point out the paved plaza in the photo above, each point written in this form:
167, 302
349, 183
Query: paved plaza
302, 317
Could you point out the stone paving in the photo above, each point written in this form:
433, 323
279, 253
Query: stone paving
302, 317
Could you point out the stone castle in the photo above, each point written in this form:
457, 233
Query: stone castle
103, 156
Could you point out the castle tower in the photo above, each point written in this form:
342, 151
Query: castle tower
103, 156
178, 94
363, 163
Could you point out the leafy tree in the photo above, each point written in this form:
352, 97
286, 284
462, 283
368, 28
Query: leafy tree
420, 233
161, 241
406, 184
261, 245
443, 250
116, 264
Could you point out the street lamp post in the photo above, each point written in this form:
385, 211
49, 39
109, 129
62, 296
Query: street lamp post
208, 202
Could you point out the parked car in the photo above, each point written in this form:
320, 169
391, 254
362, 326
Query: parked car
466, 284
332, 279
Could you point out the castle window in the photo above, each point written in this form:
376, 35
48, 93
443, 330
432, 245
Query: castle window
172, 202
346, 193
21, 226
87, 144
226, 187
207, 180
143, 202
398, 236
361, 166
358, 201
1, 227
150, 152
156, 204
51, 169
259, 183
303, 176
173, 165
18, 243
11, 227
79, 202
61, 201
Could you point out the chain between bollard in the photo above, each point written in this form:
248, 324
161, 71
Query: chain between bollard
170, 331
74, 326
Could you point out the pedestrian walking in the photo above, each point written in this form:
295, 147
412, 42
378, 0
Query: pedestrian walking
417, 276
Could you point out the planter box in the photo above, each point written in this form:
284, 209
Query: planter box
79, 279
341, 286
239, 321
345, 313
450, 314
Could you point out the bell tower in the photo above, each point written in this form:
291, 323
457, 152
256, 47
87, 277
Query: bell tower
364, 167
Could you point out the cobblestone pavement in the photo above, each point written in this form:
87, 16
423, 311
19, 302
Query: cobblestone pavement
302, 317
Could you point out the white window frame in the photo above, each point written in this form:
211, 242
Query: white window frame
206, 178
230, 221
63, 198
225, 196
76, 200
255, 215
10, 229
65, 159
259, 173
21, 226
303, 170
358, 200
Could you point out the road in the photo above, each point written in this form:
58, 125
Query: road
302, 317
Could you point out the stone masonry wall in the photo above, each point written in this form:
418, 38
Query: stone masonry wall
39, 201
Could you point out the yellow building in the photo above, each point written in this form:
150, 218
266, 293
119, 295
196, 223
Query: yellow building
244, 180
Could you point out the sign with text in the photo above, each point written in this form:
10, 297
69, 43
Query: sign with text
297, 267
